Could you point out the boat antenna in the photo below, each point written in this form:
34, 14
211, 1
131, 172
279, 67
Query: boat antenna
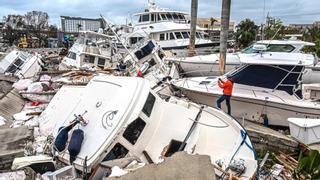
151, 4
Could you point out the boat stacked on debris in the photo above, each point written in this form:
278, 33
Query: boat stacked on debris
265, 91
20, 64
208, 65
131, 120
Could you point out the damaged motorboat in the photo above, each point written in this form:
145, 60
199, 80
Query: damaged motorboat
123, 117
265, 91
20, 64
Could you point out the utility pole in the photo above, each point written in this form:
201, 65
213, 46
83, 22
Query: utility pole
193, 27
225, 18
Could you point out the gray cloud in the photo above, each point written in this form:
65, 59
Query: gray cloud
117, 11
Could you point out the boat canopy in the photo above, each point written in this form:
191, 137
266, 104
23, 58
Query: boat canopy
276, 77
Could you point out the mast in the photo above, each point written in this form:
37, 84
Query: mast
193, 27
225, 18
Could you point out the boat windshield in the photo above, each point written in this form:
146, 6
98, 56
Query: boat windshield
274, 77
270, 48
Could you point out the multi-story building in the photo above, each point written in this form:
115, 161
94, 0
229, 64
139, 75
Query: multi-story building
213, 27
76, 24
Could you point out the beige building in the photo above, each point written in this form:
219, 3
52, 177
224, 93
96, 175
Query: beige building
213, 26
213, 23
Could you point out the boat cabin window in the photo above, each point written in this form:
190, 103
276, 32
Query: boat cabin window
162, 38
72, 55
280, 48
175, 16
15, 66
163, 16
159, 19
280, 77
185, 35
152, 17
144, 18
117, 152
198, 35
134, 130
89, 59
172, 36
174, 146
181, 16
148, 106
146, 50
101, 62
309, 49
169, 16
178, 35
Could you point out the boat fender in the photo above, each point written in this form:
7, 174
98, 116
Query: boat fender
75, 144
61, 139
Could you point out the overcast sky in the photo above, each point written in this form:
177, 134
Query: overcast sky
117, 11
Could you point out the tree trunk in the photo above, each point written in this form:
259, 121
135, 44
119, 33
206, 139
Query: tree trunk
193, 27
225, 18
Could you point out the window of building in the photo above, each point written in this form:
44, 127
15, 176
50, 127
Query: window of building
117, 152
134, 130
171, 36
148, 106
185, 35
162, 37
178, 35
101, 62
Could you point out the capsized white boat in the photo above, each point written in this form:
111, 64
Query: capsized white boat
265, 91
20, 64
128, 119
208, 65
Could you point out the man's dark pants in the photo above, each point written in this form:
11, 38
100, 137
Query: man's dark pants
221, 99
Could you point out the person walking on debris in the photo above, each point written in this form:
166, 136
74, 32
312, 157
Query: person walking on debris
227, 87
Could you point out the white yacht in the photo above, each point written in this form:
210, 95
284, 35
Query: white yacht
21, 64
268, 91
170, 29
126, 118
90, 48
208, 65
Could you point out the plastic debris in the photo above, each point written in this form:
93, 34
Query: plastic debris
22, 84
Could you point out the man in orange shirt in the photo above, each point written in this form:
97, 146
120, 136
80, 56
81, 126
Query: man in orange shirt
227, 87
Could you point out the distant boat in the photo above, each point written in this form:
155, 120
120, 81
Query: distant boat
265, 91
208, 65
170, 29
126, 118
21, 64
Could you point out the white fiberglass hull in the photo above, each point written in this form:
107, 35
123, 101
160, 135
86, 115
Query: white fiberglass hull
253, 109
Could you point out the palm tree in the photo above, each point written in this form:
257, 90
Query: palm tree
194, 12
225, 18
